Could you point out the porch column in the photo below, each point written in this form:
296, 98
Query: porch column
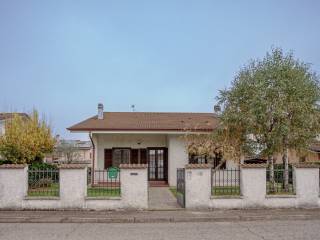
134, 185
306, 177
177, 157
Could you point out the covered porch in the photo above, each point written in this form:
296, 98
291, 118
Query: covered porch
163, 152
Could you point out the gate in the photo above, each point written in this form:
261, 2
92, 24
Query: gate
181, 186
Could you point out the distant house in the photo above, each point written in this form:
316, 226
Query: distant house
6, 117
75, 151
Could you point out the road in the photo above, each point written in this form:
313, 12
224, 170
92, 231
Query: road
273, 230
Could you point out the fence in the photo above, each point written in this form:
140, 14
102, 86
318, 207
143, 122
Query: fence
276, 181
103, 183
43, 182
225, 182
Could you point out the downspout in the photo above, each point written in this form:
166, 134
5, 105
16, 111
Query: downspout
93, 158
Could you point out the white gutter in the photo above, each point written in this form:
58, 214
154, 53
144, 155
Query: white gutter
142, 132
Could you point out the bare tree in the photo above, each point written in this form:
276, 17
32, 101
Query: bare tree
67, 149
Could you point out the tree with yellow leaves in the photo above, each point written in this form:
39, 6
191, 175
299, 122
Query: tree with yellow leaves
26, 139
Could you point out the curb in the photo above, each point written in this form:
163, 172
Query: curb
235, 218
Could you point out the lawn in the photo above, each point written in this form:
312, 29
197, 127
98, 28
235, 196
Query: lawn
278, 189
226, 191
103, 192
51, 191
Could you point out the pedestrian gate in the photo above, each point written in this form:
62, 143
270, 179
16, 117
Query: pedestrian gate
181, 186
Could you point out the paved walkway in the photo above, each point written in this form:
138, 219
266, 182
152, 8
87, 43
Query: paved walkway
161, 198
157, 216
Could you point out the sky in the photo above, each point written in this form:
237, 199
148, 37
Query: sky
64, 57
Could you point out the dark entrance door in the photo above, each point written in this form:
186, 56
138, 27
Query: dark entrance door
157, 164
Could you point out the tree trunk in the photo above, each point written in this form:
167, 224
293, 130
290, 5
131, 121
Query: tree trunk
271, 172
285, 160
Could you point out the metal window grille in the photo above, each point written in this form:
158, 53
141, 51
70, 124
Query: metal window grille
104, 183
225, 182
43, 182
276, 184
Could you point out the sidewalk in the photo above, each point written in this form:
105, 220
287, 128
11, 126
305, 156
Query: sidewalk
156, 216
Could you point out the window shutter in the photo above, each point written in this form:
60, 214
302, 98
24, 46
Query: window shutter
143, 156
134, 156
107, 158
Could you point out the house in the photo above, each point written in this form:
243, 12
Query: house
156, 139
76, 151
6, 117
153, 138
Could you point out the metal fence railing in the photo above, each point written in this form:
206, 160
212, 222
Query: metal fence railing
225, 182
103, 183
43, 182
277, 183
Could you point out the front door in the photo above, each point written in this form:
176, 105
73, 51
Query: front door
157, 164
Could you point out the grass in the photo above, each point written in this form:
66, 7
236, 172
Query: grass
226, 191
278, 189
173, 190
103, 192
52, 191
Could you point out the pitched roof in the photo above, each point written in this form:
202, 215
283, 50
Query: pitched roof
4, 116
149, 121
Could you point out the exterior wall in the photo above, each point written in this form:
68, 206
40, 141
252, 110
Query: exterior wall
13, 186
294, 157
198, 184
73, 190
177, 157
253, 190
103, 141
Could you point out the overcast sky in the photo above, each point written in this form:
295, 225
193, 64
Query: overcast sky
63, 57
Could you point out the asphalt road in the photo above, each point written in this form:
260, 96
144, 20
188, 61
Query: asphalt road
273, 230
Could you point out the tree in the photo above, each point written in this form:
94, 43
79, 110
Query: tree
67, 149
220, 143
26, 139
274, 100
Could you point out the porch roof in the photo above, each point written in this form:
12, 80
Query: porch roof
149, 121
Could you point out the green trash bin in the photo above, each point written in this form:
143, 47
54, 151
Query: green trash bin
113, 172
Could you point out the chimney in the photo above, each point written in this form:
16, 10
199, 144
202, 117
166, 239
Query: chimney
100, 111
217, 109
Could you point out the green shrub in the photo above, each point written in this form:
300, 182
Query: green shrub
42, 166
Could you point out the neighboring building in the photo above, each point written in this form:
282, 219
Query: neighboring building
7, 116
76, 151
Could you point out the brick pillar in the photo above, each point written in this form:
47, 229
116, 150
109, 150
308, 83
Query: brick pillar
73, 185
13, 185
134, 185
306, 177
197, 185
253, 184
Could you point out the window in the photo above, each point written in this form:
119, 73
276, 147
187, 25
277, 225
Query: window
120, 156
194, 159
204, 159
